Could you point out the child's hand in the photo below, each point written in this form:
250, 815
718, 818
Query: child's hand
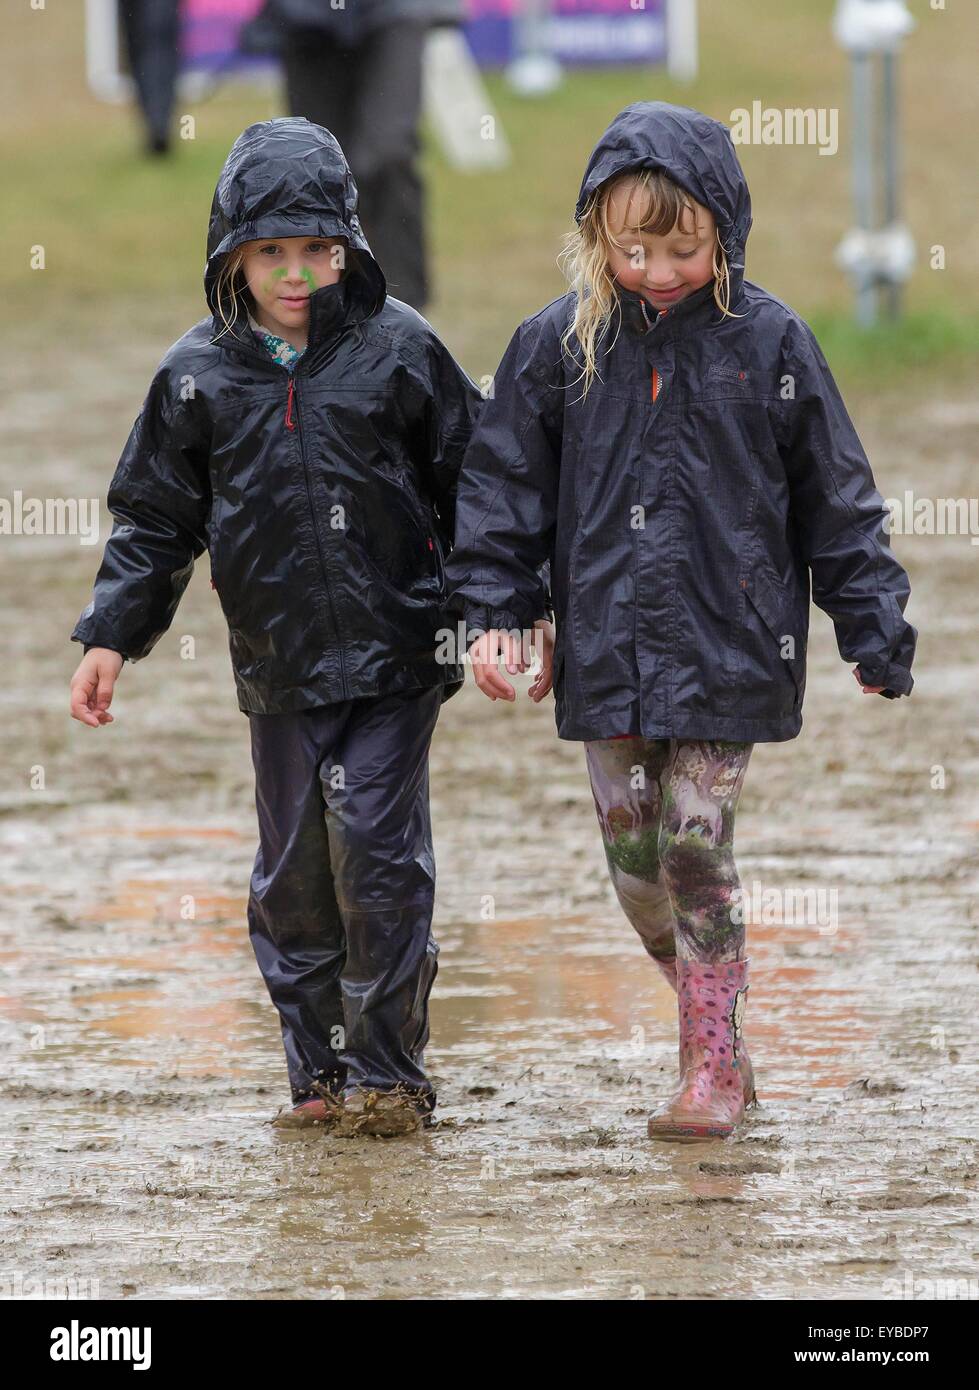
485, 654
867, 689
542, 682
92, 686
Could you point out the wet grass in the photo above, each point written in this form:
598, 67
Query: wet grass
935, 349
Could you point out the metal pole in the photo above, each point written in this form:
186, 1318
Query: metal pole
681, 39
877, 253
533, 70
891, 166
863, 177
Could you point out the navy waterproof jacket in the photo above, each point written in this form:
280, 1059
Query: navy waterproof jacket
325, 497
686, 503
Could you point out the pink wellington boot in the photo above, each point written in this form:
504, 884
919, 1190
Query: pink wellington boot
667, 967
711, 1097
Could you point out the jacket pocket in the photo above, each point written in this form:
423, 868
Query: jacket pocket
426, 526
399, 538
246, 664
212, 555
438, 557
557, 668
728, 381
582, 648
215, 555
571, 608
428, 530
775, 610
214, 540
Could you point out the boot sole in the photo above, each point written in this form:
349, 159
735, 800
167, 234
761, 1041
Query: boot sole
689, 1131
690, 1134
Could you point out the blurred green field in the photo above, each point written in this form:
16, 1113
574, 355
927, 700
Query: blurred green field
124, 238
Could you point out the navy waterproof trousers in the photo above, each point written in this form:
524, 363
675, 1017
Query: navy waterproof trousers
340, 908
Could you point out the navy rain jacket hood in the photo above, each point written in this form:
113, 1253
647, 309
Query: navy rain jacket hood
325, 497
686, 502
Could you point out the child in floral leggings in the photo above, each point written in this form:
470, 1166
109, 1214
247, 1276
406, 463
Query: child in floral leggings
669, 439
667, 808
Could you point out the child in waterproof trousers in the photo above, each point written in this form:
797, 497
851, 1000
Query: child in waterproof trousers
308, 434
669, 436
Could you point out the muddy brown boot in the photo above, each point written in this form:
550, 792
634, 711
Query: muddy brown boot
383, 1114
325, 1110
709, 1101
667, 967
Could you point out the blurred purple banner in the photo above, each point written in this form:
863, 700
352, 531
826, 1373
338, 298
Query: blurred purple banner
581, 31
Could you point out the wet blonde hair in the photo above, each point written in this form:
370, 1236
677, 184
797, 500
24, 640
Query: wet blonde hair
584, 259
230, 284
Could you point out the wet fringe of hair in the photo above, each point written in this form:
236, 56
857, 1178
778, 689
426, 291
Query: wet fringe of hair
585, 264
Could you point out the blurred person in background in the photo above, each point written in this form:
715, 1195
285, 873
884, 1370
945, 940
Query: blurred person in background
151, 32
357, 69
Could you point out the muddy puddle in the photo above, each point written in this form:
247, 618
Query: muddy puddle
142, 1058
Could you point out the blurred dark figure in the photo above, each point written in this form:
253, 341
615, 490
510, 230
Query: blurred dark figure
357, 69
151, 32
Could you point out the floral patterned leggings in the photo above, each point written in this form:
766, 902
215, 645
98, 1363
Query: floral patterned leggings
666, 808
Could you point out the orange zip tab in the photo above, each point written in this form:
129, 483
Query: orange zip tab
657, 383
290, 422
430, 545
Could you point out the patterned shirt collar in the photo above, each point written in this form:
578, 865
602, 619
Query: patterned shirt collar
278, 349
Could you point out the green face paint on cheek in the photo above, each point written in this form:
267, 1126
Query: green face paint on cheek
308, 277
270, 283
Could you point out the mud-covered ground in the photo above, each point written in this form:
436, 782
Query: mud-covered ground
142, 1058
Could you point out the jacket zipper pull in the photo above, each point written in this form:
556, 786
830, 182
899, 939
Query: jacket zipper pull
290, 422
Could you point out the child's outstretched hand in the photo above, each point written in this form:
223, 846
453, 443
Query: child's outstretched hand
92, 686
867, 689
517, 654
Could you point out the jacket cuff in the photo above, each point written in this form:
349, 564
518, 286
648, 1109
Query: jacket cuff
896, 680
89, 646
483, 618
